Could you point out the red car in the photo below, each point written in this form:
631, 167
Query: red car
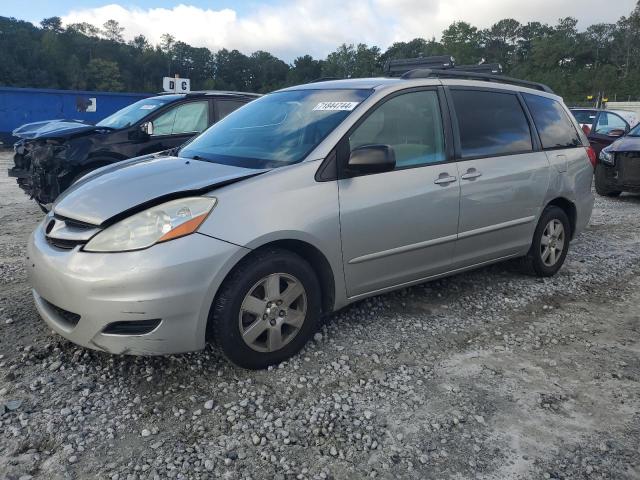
603, 127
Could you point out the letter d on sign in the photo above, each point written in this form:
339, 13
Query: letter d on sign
176, 85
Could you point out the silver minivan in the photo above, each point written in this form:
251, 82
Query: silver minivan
304, 201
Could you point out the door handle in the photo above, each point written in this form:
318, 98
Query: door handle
444, 179
471, 174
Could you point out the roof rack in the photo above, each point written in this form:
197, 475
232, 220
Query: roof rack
491, 68
451, 73
395, 68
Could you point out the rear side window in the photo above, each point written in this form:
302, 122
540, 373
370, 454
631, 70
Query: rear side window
491, 123
554, 126
225, 107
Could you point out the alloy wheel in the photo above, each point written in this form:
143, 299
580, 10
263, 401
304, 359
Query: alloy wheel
272, 312
552, 242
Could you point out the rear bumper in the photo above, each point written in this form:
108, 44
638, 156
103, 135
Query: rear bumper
80, 294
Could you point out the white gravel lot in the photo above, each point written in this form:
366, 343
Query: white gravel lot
485, 375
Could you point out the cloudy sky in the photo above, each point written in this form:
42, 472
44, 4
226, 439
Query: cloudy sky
289, 28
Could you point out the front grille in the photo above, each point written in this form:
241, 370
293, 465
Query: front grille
74, 223
64, 244
628, 167
65, 316
66, 233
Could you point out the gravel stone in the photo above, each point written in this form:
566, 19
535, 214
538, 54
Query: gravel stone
457, 378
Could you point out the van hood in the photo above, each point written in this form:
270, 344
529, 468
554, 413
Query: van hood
117, 190
54, 129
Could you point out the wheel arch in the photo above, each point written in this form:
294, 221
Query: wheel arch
104, 158
318, 262
569, 208
94, 162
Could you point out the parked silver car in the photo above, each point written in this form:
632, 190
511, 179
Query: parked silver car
304, 201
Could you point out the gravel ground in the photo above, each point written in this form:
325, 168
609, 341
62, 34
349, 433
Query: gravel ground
487, 375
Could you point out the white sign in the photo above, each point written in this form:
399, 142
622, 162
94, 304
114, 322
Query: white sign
176, 85
335, 106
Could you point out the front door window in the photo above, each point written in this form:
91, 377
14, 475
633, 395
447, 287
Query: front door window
187, 118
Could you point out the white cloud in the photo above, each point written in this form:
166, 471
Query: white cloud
296, 27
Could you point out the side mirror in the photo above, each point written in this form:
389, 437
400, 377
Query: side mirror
371, 159
147, 127
617, 132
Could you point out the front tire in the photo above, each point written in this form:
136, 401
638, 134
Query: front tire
266, 310
550, 242
602, 188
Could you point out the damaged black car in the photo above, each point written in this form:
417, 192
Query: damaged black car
50, 156
618, 168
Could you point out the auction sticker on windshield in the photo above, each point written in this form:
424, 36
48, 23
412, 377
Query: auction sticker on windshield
335, 106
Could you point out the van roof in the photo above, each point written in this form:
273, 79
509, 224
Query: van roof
424, 77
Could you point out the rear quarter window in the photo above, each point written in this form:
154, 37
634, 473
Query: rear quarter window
584, 116
553, 123
490, 123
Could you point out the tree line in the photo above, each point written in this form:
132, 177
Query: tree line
603, 58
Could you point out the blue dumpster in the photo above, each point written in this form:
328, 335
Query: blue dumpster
25, 105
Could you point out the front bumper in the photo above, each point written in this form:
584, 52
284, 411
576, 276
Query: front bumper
16, 172
625, 174
174, 281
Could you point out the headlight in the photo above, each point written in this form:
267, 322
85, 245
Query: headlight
607, 157
163, 222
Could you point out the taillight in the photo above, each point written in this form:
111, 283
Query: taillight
592, 156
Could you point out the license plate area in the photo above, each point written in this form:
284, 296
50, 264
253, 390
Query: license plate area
629, 169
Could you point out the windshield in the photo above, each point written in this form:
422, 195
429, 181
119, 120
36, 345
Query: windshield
635, 131
276, 130
133, 113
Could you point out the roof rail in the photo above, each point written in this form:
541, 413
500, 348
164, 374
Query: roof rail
450, 73
222, 93
325, 79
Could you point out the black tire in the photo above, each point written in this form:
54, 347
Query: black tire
602, 188
224, 317
534, 262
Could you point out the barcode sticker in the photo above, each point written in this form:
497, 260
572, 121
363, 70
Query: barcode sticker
335, 106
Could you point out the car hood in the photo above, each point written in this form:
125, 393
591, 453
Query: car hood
53, 129
625, 144
120, 189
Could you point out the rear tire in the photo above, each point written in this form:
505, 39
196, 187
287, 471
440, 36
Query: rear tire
253, 321
550, 243
601, 183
